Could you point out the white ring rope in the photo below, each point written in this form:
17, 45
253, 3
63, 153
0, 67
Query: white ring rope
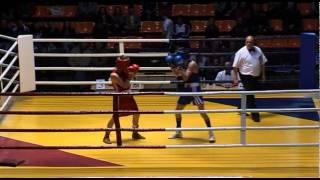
97, 68
6, 102
12, 67
94, 82
8, 67
246, 128
5, 51
240, 110
241, 145
8, 37
241, 92
8, 52
10, 82
145, 54
101, 40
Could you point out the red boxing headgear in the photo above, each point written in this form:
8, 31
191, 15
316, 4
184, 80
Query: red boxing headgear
122, 63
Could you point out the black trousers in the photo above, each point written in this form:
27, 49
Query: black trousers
250, 83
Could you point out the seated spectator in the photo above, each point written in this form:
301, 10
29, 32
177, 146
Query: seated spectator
67, 32
275, 9
292, 19
118, 20
87, 10
260, 23
212, 31
244, 11
241, 29
56, 11
132, 22
83, 62
103, 21
226, 75
221, 7
202, 61
165, 8
181, 29
149, 10
22, 28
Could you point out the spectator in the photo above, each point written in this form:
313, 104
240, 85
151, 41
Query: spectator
181, 29
212, 31
292, 19
168, 29
87, 10
118, 20
226, 75
103, 21
67, 32
132, 22
83, 62
149, 10
167, 32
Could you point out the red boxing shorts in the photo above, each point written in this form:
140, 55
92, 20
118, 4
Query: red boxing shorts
127, 103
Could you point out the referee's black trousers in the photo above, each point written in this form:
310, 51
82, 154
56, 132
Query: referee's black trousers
250, 83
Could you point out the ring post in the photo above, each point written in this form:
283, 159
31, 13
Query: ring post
308, 61
116, 118
26, 63
243, 119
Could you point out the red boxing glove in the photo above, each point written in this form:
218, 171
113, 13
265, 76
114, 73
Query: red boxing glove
136, 67
131, 69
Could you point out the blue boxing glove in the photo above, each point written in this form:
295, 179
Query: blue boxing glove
170, 59
179, 61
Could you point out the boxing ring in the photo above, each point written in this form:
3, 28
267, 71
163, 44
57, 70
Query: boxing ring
59, 134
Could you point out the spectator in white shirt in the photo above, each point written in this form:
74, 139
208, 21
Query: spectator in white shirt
226, 75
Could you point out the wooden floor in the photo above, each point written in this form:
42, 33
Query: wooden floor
208, 162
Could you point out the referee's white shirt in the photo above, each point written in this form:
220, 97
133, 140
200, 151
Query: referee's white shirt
249, 63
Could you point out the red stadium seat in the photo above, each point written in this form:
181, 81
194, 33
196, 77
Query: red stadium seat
58, 25
151, 26
209, 10
41, 11
133, 45
310, 24
225, 25
279, 43
138, 9
201, 10
196, 44
276, 24
293, 43
113, 45
198, 26
196, 10
265, 43
181, 10
70, 11
83, 27
304, 8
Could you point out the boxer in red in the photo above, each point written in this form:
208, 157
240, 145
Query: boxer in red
120, 79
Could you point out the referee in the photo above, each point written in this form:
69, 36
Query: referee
249, 62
